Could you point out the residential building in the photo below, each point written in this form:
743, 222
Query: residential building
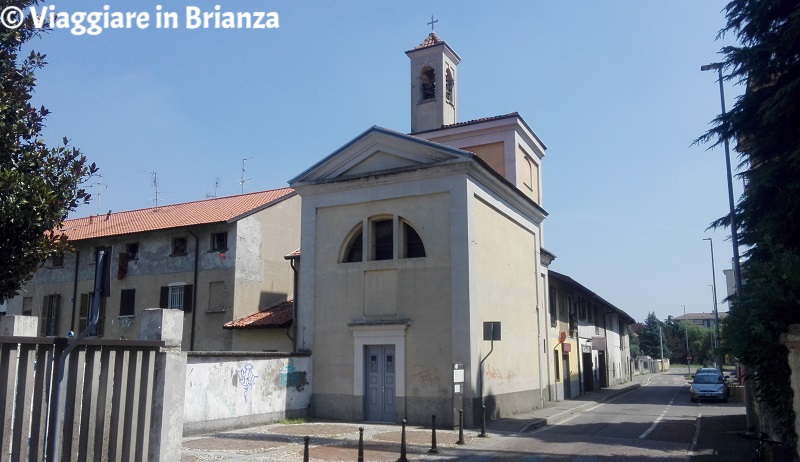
592, 347
706, 320
217, 260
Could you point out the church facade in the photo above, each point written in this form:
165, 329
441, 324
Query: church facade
413, 245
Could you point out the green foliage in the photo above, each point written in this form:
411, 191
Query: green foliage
38, 185
650, 337
766, 123
636, 349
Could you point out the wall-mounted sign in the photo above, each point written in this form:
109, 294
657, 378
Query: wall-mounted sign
566, 347
491, 331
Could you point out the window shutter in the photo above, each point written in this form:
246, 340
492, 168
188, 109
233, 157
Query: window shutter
164, 301
101, 319
188, 292
83, 314
45, 316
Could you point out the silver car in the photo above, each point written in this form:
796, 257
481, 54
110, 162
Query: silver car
709, 386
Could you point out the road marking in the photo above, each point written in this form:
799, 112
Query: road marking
653, 427
690, 451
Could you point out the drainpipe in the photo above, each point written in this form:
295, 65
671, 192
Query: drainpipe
194, 287
293, 259
75, 290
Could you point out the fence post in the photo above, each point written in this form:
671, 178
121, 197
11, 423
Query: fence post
19, 326
166, 430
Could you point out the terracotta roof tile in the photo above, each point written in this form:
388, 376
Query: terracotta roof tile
279, 315
294, 254
431, 40
215, 210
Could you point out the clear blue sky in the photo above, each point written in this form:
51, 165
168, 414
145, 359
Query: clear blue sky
614, 89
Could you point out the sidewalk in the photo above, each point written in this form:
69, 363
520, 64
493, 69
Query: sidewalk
338, 441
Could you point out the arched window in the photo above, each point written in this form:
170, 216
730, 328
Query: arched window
449, 83
428, 82
412, 243
355, 248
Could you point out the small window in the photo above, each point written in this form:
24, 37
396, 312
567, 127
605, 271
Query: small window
127, 302
176, 297
553, 315
179, 246
132, 250
27, 306
383, 239
58, 260
219, 242
414, 248
355, 250
450, 82
428, 82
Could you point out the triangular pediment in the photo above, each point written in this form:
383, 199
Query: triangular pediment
378, 150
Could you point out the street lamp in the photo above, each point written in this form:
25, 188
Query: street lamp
737, 271
716, 313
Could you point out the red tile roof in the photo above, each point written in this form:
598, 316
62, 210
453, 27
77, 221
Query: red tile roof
431, 40
279, 315
217, 210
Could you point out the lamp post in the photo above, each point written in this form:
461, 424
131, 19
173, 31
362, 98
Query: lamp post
737, 271
716, 313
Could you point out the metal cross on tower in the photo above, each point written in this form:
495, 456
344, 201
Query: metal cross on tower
433, 22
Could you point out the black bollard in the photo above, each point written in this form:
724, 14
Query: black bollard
483, 422
460, 427
305, 450
360, 444
433, 449
403, 444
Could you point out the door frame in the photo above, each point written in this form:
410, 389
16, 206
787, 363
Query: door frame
385, 333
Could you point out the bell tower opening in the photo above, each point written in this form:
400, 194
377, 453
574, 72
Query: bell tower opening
433, 84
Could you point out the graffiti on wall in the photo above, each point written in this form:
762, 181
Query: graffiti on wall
290, 377
247, 378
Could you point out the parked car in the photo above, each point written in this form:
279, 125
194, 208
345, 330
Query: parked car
709, 386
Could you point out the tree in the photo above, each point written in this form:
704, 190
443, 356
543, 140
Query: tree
766, 123
38, 185
650, 337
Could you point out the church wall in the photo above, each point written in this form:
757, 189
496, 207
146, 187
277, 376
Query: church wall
419, 290
504, 289
492, 154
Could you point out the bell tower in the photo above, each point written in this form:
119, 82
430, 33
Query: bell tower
434, 84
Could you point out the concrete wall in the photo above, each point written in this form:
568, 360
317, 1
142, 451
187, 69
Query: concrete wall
238, 390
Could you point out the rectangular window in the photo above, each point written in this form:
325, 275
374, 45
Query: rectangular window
132, 250
179, 246
176, 297
57, 261
383, 239
27, 306
127, 302
51, 305
582, 310
217, 297
219, 242
83, 321
553, 311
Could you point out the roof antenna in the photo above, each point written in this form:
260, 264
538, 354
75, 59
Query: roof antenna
242, 181
155, 184
216, 185
100, 186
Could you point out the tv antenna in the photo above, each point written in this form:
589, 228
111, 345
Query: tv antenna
99, 185
154, 175
242, 181
216, 185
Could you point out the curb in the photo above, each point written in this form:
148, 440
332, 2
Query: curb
561, 416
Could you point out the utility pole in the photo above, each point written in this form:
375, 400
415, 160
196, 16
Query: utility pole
661, 341
688, 355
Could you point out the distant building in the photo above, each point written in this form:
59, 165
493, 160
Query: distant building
702, 319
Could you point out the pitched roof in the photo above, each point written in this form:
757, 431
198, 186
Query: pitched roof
279, 315
430, 40
217, 210
699, 316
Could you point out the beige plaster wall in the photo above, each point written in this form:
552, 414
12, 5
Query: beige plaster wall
505, 290
422, 296
527, 165
492, 154
270, 340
